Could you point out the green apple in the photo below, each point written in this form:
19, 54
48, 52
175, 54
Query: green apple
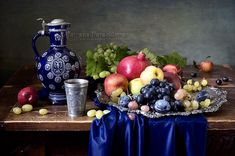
135, 85
150, 73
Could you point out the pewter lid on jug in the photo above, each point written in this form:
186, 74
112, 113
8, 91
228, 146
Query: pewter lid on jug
56, 22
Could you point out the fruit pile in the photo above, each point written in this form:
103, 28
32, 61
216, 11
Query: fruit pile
139, 85
161, 96
158, 96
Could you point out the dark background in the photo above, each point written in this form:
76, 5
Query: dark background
195, 28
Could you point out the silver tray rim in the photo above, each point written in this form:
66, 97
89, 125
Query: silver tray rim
219, 98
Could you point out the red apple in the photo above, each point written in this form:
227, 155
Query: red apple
27, 95
115, 81
172, 68
174, 79
206, 66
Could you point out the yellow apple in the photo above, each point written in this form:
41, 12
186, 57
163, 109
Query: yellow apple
135, 85
150, 73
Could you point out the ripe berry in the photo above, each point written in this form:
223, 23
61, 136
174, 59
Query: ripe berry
145, 108
131, 116
99, 114
204, 82
225, 79
140, 99
190, 82
219, 82
178, 106
167, 98
154, 82
162, 84
159, 96
193, 74
196, 83
148, 95
133, 105
143, 90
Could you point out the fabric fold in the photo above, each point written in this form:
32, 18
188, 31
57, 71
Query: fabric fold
115, 134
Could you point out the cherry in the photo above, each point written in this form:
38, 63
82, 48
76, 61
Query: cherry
193, 74
225, 79
218, 82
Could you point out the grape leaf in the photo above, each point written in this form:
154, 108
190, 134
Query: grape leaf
121, 53
150, 56
173, 58
90, 62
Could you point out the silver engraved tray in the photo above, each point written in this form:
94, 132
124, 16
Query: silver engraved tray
217, 96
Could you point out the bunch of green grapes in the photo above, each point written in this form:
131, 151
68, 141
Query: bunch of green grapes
195, 86
103, 60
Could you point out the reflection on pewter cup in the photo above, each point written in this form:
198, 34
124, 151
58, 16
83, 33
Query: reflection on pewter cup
76, 92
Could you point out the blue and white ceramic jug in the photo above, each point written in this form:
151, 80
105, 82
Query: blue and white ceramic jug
58, 63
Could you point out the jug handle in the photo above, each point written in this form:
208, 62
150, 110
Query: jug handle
39, 34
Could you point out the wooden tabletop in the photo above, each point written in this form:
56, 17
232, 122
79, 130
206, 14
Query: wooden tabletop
58, 120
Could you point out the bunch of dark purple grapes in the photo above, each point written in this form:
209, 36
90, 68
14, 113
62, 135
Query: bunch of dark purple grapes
159, 95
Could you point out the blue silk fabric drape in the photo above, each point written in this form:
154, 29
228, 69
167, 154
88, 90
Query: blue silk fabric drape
116, 135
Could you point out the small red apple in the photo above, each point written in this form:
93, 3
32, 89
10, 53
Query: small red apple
27, 95
172, 68
206, 66
115, 81
174, 79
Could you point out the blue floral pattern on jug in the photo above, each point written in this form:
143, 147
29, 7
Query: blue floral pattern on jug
58, 63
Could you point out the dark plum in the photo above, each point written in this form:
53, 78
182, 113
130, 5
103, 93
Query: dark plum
162, 106
124, 100
202, 95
